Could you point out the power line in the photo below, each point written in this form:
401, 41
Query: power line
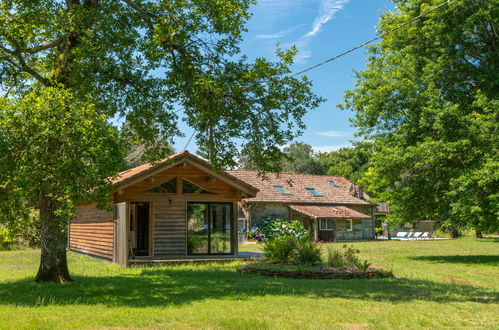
187, 144
373, 39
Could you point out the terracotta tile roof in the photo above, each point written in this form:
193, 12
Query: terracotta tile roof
142, 170
123, 176
324, 211
296, 184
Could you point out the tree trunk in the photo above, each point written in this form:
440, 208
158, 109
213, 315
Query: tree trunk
478, 233
53, 240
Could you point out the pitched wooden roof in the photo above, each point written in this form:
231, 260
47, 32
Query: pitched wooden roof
138, 173
324, 211
296, 185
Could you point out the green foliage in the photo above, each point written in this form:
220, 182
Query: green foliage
307, 253
428, 101
363, 265
280, 249
272, 228
346, 257
27, 230
300, 158
350, 163
6, 237
55, 145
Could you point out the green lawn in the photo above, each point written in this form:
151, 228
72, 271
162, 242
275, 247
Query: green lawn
440, 284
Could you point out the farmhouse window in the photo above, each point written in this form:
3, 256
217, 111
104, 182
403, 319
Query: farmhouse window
326, 224
349, 225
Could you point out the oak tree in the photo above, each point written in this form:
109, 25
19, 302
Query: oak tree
70, 68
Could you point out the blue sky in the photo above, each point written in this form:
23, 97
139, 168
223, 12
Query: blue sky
320, 29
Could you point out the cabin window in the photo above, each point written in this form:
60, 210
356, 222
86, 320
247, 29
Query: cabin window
169, 187
209, 228
349, 225
314, 192
334, 184
282, 190
191, 188
326, 224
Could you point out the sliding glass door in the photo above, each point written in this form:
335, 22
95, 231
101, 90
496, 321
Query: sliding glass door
209, 228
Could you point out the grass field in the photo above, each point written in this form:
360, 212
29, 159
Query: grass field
440, 284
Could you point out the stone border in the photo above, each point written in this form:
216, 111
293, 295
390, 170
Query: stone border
375, 271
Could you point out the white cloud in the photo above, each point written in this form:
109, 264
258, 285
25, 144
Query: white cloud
327, 11
279, 34
333, 134
330, 147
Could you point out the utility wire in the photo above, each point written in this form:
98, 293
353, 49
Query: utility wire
187, 144
373, 39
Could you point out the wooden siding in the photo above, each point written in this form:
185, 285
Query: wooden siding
170, 209
92, 232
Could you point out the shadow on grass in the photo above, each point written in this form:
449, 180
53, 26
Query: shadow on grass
468, 259
176, 286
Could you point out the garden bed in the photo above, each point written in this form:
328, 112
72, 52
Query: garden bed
314, 272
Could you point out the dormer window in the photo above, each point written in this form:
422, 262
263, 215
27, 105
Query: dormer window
334, 184
314, 192
282, 190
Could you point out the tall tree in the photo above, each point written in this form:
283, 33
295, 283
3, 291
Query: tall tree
300, 158
350, 162
133, 60
429, 100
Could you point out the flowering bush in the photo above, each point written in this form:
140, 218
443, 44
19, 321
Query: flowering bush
269, 229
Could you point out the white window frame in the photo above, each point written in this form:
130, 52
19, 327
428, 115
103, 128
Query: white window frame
350, 222
326, 229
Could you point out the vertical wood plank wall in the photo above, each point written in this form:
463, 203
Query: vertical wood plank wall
92, 232
170, 209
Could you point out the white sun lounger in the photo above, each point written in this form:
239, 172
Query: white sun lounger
426, 235
401, 234
417, 235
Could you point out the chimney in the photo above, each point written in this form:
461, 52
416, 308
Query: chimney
361, 192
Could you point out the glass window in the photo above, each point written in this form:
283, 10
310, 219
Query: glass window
167, 187
282, 190
326, 224
209, 228
191, 188
314, 192
349, 224
334, 184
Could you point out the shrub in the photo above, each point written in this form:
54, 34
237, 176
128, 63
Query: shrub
334, 258
6, 237
363, 265
346, 257
350, 255
269, 229
280, 250
307, 253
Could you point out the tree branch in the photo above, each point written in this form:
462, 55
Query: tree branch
45, 46
145, 15
21, 65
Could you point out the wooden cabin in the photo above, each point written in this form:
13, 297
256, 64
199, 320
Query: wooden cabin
177, 208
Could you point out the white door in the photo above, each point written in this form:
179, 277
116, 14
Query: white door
121, 220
